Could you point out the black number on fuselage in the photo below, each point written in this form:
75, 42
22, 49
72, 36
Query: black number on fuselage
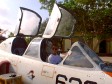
75, 79
71, 79
89, 82
58, 81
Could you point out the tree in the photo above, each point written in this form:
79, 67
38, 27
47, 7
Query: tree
48, 5
11, 34
43, 26
100, 17
93, 17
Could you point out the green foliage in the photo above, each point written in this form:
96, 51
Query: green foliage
47, 4
11, 34
94, 17
43, 26
28, 39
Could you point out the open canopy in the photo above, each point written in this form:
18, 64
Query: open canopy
28, 24
60, 24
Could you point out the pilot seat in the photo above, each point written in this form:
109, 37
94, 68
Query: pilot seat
19, 46
45, 49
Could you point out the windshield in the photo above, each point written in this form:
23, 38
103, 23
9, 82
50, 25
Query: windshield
33, 49
96, 59
92, 54
77, 59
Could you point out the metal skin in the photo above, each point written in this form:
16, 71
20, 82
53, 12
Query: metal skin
35, 71
86, 68
6, 45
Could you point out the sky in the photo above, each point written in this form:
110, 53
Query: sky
9, 10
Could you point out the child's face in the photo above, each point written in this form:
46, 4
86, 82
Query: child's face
55, 50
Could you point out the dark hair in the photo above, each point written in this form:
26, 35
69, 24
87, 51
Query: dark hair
54, 47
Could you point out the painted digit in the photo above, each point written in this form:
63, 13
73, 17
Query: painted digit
89, 82
75, 79
62, 76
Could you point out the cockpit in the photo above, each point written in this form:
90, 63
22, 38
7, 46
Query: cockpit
82, 56
79, 55
39, 48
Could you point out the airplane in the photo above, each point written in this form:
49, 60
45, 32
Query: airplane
80, 65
